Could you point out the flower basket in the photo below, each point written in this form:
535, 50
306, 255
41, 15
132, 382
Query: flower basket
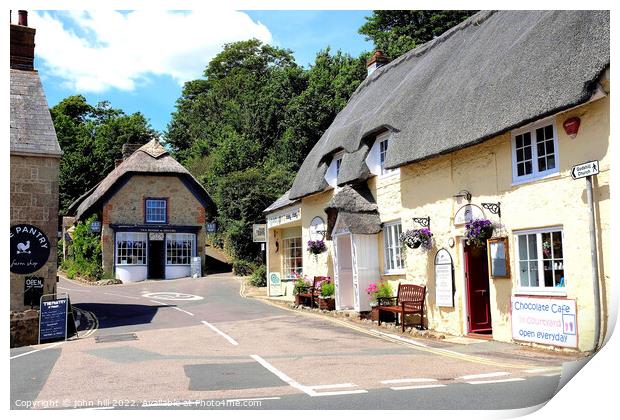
415, 238
478, 231
316, 247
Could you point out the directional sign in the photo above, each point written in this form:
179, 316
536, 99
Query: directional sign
585, 169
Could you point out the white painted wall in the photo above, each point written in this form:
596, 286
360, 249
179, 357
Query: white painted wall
131, 273
177, 271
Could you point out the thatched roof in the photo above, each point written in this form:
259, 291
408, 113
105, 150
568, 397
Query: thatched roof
354, 210
281, 202
32, 129
494, 72
150, 159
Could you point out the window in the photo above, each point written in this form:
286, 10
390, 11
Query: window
338, 164
535, 152
540, 259
383, 147
293, 260
375, 160
130, 248
156, 210
179, 248
392, 248
331, 175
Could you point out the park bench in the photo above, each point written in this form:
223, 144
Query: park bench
314, 291
408, 301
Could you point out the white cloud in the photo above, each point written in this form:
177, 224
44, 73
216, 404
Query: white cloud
120, 50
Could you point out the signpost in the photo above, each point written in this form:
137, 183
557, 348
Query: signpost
444, 275
585, 169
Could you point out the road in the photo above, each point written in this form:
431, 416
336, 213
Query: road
199, 343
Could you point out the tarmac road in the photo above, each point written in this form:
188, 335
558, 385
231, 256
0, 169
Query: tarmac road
198, 343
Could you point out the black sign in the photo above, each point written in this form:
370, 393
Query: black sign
30, 249
33, 290
53, 320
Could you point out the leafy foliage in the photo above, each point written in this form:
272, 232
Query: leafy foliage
91, 138
259, 276
328, 289
397, 31
84, 253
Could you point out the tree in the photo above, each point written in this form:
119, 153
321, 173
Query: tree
91, 138
398, 31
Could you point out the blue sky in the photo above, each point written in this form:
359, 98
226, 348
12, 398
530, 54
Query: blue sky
134, 60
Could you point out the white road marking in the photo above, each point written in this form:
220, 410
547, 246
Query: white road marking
547, 369
173, 307
332, 386
552, 374
37, 350
306, 389
407, 380
406, 340
171, 296
116, 294
484, 375
496, 381
403, 388
74, 290
226, 336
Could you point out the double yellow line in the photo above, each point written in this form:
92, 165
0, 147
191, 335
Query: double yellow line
94, 325
436, 351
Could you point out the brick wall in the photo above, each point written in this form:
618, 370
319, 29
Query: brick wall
127, 207
34, 200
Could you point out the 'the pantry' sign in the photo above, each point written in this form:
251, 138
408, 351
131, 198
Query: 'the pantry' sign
544, 321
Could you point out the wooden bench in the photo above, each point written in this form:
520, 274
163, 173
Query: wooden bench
408, 301
314, 291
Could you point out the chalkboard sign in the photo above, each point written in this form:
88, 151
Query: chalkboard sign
498, 258
53, 319
33, 290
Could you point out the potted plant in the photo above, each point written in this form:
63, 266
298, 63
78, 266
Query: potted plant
478, 231
316, 247
380, 293
326, 300
414, 238
301, 285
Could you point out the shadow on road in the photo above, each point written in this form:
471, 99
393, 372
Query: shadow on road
112, 315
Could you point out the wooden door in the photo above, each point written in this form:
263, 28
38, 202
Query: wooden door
478, 296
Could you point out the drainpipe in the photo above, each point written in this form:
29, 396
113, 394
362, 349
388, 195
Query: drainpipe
594, 261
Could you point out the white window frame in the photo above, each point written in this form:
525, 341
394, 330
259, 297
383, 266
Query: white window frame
286, 258
390, 266
331, 176
130, 237
146, 210
373, 159
179, 252
536, 174
540, 290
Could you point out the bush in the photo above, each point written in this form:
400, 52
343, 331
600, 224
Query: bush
242, 267
259, 277
85, 253
327, 289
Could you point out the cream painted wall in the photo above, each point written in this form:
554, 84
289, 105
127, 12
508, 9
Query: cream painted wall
322, 264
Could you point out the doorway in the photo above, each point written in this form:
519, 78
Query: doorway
477, 289
344, 272
156, 260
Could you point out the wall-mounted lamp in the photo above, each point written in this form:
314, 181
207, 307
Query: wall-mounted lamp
571, 126
494, 208
463, 194
423, 221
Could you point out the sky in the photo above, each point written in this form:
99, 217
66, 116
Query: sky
139, 60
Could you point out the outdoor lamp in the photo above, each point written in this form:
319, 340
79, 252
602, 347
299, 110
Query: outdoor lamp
571, 126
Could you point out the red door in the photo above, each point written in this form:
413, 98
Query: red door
478, 299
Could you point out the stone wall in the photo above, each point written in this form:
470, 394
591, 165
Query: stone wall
34, 200
127, 207
24, 328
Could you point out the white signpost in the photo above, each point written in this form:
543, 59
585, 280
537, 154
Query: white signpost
544, 321
585, 169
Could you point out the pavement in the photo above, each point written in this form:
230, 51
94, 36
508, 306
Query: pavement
204, 343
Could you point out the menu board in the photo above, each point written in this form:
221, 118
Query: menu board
444, 274
53, 320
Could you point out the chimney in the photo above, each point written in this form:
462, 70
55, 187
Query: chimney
129, 148
22, 43
376, 61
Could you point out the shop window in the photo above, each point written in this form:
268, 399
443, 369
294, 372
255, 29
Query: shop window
540, 259
180, 248
130, 248
293, 257
534, 152
392, 248
156, 210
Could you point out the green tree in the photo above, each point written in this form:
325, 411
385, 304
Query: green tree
397, 31
91, 138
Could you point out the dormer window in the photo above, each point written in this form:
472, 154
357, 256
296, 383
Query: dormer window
378, 154
331, 176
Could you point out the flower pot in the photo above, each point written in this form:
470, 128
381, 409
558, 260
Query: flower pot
297, 300
328, 304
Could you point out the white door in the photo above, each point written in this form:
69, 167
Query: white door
343, 272
365, 268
